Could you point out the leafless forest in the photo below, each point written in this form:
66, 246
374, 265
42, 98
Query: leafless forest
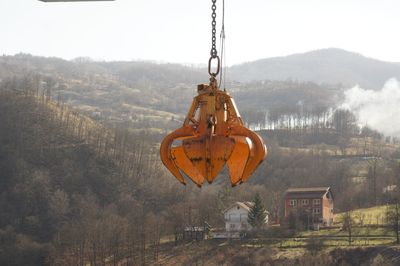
81, 182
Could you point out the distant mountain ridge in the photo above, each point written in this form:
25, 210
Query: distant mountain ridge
325, 66
330, 66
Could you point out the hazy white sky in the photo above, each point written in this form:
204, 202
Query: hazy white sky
179, 30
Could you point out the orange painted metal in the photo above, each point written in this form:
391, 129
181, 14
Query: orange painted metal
213, 135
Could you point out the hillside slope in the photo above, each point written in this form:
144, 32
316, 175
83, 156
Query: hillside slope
330, 66
61, 173
143, 94
238, 253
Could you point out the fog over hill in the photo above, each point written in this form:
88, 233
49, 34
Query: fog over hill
330, 66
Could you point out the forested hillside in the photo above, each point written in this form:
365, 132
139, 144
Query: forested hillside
81, 179
143, 95
146, 95
74, 191
138, 93
71, 188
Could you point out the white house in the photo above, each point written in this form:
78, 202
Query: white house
236, 216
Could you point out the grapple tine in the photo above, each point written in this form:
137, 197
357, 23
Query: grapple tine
207, 156
186, 166
259, 149
165, 150
238, 159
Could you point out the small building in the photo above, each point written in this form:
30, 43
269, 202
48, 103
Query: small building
236, 217
389, 194
195, 233
313, 205
389, 189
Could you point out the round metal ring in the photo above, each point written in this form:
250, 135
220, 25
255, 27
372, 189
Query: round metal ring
214, 74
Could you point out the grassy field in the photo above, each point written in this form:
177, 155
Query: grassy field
368, 216
277, 248
369, 228
249, 252
372, 243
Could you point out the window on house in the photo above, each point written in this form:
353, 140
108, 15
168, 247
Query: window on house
316, 201
316, 210
234, 217
232, 226
293, 203
304, 202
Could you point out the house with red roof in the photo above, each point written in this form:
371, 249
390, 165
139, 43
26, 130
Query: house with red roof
314, 205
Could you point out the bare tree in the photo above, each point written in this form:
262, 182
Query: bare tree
348, 225
393, 218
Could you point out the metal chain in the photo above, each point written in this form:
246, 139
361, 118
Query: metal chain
214, 52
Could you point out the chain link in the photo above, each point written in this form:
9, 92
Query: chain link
214, 52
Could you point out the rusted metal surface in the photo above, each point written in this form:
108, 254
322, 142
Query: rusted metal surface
213, 135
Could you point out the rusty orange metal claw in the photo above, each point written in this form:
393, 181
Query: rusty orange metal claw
212, 135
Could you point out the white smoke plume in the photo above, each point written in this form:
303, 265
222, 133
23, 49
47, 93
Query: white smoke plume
380, 110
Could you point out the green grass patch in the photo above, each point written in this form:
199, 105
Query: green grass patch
367, 216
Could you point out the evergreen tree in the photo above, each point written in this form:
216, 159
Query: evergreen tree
257, 213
